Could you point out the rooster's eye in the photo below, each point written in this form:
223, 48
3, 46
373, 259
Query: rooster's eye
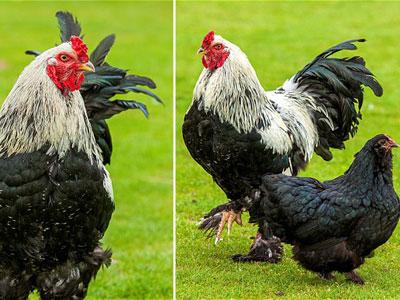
217, 47
64, 57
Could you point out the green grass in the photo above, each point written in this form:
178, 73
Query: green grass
279, 39
140, 233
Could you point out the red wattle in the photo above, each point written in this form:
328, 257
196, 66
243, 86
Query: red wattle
51, 72
204, 61
72, 83
214, 60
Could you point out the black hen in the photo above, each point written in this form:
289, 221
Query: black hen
102, 85
335, 224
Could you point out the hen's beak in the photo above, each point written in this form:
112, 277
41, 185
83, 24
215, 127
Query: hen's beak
393, 144
88, 67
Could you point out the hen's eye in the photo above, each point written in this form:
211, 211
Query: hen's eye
218, 47
64, 57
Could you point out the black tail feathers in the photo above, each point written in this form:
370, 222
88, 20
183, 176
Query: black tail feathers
337, 86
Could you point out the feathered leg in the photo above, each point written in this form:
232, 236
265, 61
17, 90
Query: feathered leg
326, 275
14, 285
71, 280
354, 277
265, 248
226, 214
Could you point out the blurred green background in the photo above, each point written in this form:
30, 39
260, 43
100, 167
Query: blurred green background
280, 38
140, 232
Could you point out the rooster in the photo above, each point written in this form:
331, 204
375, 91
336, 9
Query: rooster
103, 84
56, 196
238, 132
334, 225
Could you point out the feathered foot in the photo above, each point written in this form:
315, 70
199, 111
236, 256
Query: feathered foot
327, 276
71, 280
226, 214
354, 277
266, 250
14, 285
63, 282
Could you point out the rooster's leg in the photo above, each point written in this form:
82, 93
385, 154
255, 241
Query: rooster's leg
228, 217
226, 214
354, 277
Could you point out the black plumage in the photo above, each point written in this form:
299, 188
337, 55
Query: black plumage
337, 83
56, 196
53, 212
235, 160
334, 225
101, 86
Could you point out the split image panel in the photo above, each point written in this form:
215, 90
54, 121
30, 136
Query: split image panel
199, 150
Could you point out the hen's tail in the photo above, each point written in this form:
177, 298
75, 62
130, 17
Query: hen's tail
102, 85
336, 85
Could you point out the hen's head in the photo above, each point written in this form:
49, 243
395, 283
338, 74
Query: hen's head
67, 64
377, 152
375, 156
381, 145
215, 50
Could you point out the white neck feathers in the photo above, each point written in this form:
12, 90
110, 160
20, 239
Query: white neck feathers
234, 93
231, 91
36, 113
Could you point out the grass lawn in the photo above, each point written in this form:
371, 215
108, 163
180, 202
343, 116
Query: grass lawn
279, 39
140, 232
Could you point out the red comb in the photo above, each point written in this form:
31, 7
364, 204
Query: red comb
80, 48
208, 39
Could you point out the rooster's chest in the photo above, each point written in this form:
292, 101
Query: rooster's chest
227, 154
51, 206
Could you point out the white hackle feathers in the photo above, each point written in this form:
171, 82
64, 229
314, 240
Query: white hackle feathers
107, 184
234, 93
36, 113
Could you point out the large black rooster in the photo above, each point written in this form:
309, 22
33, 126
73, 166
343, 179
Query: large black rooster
335, 224
238, 132
56, 196
103, 84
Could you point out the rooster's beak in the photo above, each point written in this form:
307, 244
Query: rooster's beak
88, 67
201, 51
